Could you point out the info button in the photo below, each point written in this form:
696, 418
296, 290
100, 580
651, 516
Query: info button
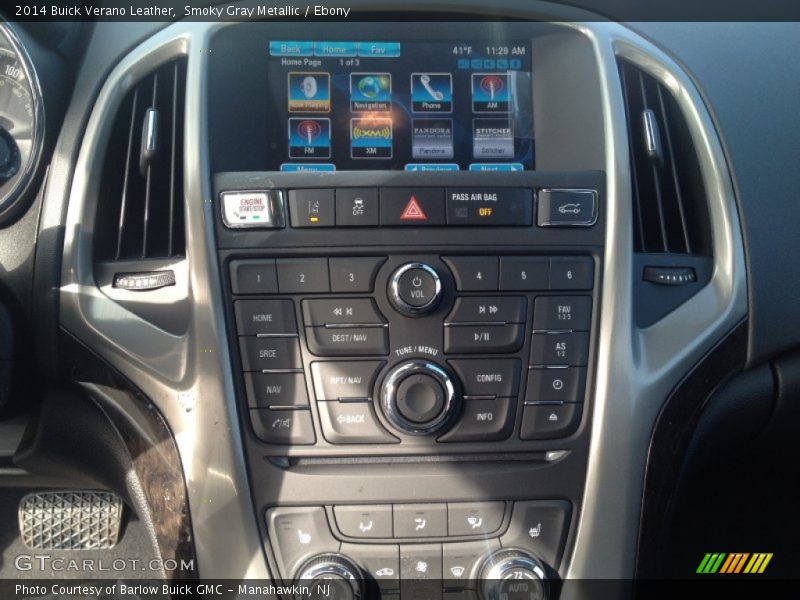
494, 207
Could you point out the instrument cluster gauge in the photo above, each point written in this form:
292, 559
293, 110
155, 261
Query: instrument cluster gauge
21, 120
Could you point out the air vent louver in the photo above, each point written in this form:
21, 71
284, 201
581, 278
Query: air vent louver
140, 201
669, 201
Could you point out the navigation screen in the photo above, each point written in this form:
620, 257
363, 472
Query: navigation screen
417, 106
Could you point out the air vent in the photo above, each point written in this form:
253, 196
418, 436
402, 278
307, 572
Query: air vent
669, 201
140, 202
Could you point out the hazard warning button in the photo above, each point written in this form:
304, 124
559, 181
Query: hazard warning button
414, 207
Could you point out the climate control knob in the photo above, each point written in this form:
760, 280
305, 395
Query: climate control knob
513, 575
418, 397
330, 576
415, 289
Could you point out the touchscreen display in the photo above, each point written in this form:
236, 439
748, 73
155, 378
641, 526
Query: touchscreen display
417, 106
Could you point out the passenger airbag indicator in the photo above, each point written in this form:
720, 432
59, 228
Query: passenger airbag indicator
498, 206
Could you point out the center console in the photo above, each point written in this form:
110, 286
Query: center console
413, 306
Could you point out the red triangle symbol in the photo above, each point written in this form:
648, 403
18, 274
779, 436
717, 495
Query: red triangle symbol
413, 211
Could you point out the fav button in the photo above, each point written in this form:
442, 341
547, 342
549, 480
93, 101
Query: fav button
562, 313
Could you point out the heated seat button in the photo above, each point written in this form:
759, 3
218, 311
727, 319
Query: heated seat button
477, 339
492, 207
254, 277
290, 427
270, 353
562, 312
556, 384
354, 274
412, 206
550, 421
343, 380
347, 341
267, 390
571, 273
312, 208
474, 273
420, 520
538, 526
265, 317
341, 311
367, 521
488, 309
488, 377
483, 421
560, 349
298, 532
524, 273
471, 518
352, 423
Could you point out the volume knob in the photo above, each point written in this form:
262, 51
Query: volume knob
415, 289
513, 574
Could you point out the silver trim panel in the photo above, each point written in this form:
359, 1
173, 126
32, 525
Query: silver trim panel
636, 368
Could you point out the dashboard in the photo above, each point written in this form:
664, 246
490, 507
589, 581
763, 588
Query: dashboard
439, 308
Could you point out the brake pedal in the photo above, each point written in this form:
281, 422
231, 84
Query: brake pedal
71, 520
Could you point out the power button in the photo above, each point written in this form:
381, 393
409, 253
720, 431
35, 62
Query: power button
415, 289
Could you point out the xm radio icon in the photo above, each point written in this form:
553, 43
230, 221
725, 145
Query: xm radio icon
734, 563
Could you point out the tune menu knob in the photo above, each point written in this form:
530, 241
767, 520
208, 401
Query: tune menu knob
415, 289
512, 574
418, 397
328, 576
